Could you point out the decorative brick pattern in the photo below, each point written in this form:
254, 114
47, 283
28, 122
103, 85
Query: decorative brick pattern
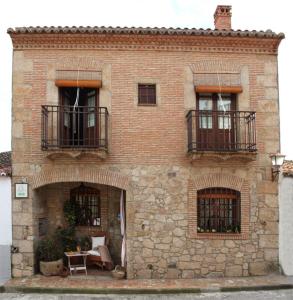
71, 174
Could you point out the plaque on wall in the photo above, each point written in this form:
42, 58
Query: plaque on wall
21, 190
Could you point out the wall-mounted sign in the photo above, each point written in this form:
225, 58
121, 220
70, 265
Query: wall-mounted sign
21, 190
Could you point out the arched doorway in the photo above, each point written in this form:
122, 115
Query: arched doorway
97, 205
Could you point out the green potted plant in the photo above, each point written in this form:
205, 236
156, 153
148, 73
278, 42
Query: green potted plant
50, 256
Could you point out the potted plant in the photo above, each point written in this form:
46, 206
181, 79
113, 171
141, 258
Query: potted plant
50, 254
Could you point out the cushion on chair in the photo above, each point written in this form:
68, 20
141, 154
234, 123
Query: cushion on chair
97, 241
94, 252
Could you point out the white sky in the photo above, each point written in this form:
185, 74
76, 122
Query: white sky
246, 14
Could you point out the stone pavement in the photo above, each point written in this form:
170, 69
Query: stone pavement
94, 285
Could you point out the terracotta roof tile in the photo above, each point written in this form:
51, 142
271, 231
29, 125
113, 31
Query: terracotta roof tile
144, 30
287, 168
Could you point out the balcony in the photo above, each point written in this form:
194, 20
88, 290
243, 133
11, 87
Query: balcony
73, 128
227, 132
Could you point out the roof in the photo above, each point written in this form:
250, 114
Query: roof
145, 31
287, 168
5, 163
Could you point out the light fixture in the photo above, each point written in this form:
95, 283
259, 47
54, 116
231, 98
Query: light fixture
277, 161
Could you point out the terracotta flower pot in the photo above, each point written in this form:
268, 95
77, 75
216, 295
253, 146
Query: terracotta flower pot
49, 268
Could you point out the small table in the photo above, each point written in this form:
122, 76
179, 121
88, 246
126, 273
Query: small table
77, 267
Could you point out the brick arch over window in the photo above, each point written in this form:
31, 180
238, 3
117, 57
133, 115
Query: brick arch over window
73, 174
218, 180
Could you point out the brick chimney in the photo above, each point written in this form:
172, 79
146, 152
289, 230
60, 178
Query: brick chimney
222, 17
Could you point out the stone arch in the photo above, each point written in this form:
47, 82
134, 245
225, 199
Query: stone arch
85, 174
218, 180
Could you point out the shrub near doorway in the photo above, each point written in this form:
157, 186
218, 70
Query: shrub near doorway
50, 255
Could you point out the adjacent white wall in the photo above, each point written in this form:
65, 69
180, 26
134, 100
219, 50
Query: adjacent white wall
5, 228
5, 211
286, 224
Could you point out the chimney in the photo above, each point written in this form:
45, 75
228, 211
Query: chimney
222, 17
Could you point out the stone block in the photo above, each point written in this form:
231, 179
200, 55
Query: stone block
271, 201
17, 232
220, 258
24, 246
271, 254
163, 246
166, 240
216, 243
230, 244
147, 252
173, 274
27, 273
269, 241
271, 93
249, 248
17, 205
258, 268
271, 81
148, 244
271, 228
178, 232
16, 273
187, 274
215, 275
144, 274
271, 68
22, 219
233, 271
17, 129
16, 258
178, 243
188, 265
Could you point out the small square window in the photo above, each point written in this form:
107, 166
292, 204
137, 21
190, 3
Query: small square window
147, 94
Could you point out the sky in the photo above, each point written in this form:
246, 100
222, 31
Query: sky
246, 14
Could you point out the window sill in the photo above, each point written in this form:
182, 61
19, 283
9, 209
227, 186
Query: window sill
222, 156
75, 154
145, 104
220, 236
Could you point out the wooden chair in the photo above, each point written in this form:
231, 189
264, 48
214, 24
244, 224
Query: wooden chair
96, 259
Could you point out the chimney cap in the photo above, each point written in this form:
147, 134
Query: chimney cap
222, 17
223, 10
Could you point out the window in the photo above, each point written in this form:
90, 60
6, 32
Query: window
78, 115
87, 204
147, 94
218, 211
216, 125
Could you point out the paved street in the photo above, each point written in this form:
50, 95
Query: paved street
260, 295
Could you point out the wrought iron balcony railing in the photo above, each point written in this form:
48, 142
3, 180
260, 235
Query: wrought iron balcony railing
228, 131
74, 127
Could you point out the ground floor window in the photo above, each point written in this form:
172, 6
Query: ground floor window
87, 205
218, 211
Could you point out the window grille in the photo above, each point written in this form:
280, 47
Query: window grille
218, 211
147, 94
87, 204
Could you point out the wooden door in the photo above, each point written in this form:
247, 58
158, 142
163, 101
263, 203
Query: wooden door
64, 116
205, 122
91, 118
225, 127
215, 122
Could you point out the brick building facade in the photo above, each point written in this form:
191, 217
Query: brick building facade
183, 120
